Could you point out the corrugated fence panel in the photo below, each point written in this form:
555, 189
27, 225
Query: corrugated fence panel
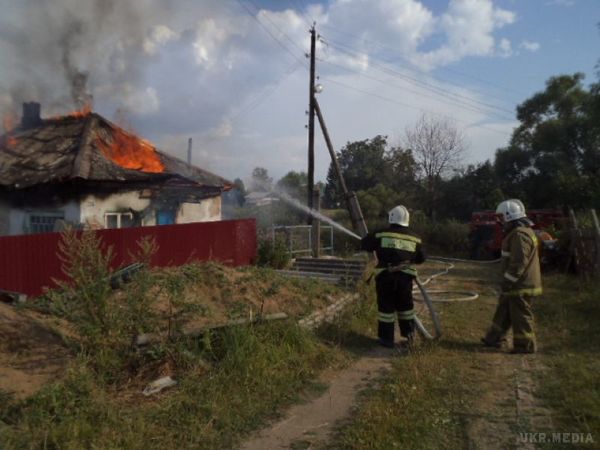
29, 263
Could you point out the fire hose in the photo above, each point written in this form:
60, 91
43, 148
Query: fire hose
465, 296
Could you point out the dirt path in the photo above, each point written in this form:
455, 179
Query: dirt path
501, 387
507, 406
311, 424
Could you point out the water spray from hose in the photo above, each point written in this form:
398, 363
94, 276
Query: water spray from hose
316, 214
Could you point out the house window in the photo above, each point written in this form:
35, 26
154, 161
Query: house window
118, 220
43, 222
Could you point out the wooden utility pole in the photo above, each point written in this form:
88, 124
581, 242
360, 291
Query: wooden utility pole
316, 225
358, 221
311, 124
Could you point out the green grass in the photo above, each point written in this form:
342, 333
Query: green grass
252, 372
414, 407
569, 323
428, 399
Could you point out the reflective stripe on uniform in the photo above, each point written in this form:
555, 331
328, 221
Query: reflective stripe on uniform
531, 292
509, 277
398, 244
387, 317
406, 268
410, 270
406, 315
406, 237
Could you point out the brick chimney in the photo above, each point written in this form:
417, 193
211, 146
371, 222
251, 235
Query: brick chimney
31, 115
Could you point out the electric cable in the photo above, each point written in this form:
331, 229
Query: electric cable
412, 79
264, 27
428, 93
390, 100
495, 86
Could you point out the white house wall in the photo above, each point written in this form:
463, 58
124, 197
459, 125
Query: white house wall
93, 208
209, 210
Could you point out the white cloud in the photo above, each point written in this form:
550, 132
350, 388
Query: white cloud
469, 26
504, 47
530, 46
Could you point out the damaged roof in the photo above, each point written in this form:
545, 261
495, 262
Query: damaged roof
79, 148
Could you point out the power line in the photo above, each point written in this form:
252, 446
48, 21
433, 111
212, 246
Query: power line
437, 97
285, 47
498, 87
390, 100
417, 81
301, 9
259, 98
278, 28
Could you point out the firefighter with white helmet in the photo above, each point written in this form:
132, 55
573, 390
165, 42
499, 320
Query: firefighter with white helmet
397, 250
521, 280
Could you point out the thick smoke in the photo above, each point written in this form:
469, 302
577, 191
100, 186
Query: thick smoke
57, 52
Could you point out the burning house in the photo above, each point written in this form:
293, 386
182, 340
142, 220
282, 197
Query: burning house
83, 170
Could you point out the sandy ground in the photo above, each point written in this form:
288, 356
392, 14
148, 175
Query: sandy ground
30, 353
313, 422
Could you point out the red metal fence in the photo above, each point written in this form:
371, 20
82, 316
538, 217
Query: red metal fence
29, 263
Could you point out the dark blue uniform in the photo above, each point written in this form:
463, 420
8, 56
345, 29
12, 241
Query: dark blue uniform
397, 250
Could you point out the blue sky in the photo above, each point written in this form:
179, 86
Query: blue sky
232, 74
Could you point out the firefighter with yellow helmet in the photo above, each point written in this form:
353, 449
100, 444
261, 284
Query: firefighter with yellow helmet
398, 249
521, 281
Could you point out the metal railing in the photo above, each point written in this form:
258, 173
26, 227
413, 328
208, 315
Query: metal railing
290, 235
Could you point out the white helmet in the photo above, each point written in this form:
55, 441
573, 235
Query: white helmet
399, 215
512, 209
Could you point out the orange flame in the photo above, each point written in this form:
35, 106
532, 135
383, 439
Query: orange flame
132, 152
8, 123
85, 111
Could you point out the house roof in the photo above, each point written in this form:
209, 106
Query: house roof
78, 148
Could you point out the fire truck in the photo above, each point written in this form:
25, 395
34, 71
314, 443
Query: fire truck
486, 232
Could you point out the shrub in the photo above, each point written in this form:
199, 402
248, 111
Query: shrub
272, 253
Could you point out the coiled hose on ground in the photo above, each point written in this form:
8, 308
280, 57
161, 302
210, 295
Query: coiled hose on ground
463, 295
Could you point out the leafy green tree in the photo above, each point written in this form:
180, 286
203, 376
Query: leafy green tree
556, 146
361, 163
294, 184
367, 164
261, 180
474, 189
375, 203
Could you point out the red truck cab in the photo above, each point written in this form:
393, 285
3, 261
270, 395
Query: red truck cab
486, 231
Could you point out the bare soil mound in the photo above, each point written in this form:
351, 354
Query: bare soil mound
30, 353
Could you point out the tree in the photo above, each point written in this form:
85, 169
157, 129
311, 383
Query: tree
366, 164
361, 163
294, 184
261, 180
556, 145
437, 147
473, 189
